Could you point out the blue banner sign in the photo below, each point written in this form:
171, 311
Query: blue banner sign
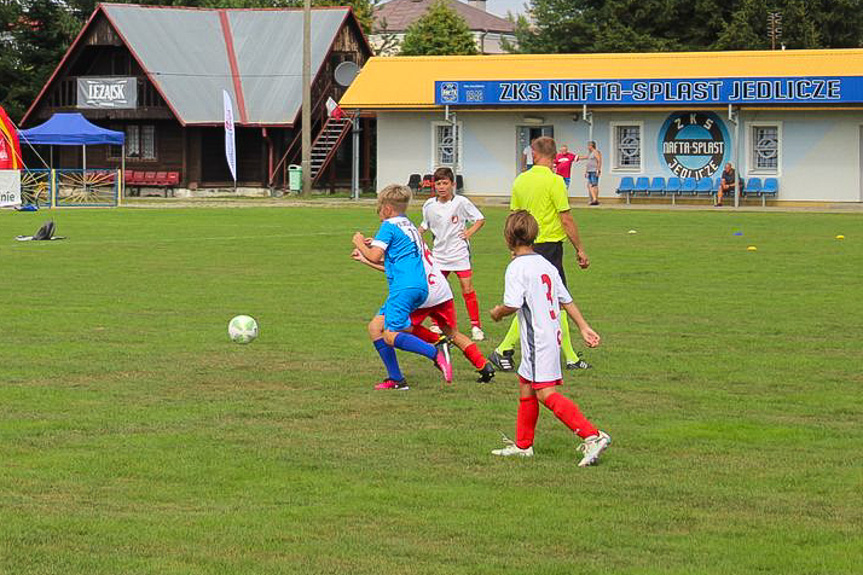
800, 90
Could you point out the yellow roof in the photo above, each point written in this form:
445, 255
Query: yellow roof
409, 81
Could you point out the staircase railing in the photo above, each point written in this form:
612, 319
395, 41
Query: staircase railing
294, 148
347, 120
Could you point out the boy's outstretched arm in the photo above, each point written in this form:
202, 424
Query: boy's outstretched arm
372, 253
590, 337
357, 256
501, 311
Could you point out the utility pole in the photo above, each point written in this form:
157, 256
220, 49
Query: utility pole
307, 99
774, 27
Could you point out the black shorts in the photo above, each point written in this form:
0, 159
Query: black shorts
553, 252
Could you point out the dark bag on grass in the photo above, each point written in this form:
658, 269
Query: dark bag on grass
44, 233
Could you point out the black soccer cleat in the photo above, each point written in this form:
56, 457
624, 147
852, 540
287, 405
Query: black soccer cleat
486, 374
578, 364
503, 361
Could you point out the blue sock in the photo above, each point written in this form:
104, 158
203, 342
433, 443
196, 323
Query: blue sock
413, 344
388, 356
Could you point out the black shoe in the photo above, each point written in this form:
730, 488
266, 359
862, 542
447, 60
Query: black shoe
580, 364
502, 361
486, 374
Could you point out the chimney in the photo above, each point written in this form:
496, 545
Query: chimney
477, 4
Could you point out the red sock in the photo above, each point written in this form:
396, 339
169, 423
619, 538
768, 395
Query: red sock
472, 308
474, 355
568, 413
425, 334
525, 423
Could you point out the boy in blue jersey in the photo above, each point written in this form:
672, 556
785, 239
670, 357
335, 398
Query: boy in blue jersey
395, 245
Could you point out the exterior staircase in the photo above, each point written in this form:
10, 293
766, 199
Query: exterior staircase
325, 145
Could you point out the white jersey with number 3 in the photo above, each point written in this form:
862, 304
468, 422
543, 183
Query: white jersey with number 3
534, 287
447, 220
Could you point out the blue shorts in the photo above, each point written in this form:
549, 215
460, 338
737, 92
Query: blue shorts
566, 181
592, 178
398, 307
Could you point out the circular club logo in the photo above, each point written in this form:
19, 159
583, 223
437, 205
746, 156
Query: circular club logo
449, 92
694, 144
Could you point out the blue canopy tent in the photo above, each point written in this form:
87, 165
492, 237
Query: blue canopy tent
73, 129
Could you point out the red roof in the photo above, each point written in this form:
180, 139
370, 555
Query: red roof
397, 15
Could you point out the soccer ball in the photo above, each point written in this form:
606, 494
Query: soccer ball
243, 329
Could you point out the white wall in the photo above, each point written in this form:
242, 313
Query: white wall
820, 150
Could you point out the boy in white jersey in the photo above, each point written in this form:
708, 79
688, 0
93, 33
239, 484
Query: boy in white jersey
535, 291
446, 215
440, 308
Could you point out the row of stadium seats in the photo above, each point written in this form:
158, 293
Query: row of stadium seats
692, 187
139, 179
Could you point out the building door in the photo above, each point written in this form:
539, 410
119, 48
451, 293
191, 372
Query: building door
524, 136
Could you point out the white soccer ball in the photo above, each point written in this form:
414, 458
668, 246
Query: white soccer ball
243, 329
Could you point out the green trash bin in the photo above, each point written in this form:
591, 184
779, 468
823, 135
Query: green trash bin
295, 178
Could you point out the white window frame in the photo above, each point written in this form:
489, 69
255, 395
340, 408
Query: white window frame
751, 168
459, 144
612, 165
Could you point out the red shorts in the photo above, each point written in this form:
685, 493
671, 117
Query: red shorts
460, 273
540, 384
442, 314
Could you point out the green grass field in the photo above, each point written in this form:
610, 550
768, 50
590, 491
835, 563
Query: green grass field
135, 438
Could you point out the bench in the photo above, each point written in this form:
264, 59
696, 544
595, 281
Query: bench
754, 186
708, 187
151, 179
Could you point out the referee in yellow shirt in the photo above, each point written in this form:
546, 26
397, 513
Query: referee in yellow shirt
542, 193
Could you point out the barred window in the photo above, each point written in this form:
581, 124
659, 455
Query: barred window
446, 146
765, 148
627, 147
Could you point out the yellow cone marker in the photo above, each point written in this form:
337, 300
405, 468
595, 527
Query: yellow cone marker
840, 237
752, 249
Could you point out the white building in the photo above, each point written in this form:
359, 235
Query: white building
794, 117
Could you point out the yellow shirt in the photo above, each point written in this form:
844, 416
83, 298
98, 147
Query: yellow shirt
542, 193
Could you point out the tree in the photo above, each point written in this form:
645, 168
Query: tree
440, 32
573, 26
40, 34
747, 29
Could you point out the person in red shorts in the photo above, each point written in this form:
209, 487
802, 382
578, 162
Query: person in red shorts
440, 308
534, 289
447, 215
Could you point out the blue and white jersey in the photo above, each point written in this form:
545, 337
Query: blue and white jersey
403, 262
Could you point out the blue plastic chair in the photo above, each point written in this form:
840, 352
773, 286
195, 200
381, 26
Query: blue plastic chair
688, 186
642, 186
672, 188
657, 186
753, 186
716, 185
704, 187
625, 187
771, 188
